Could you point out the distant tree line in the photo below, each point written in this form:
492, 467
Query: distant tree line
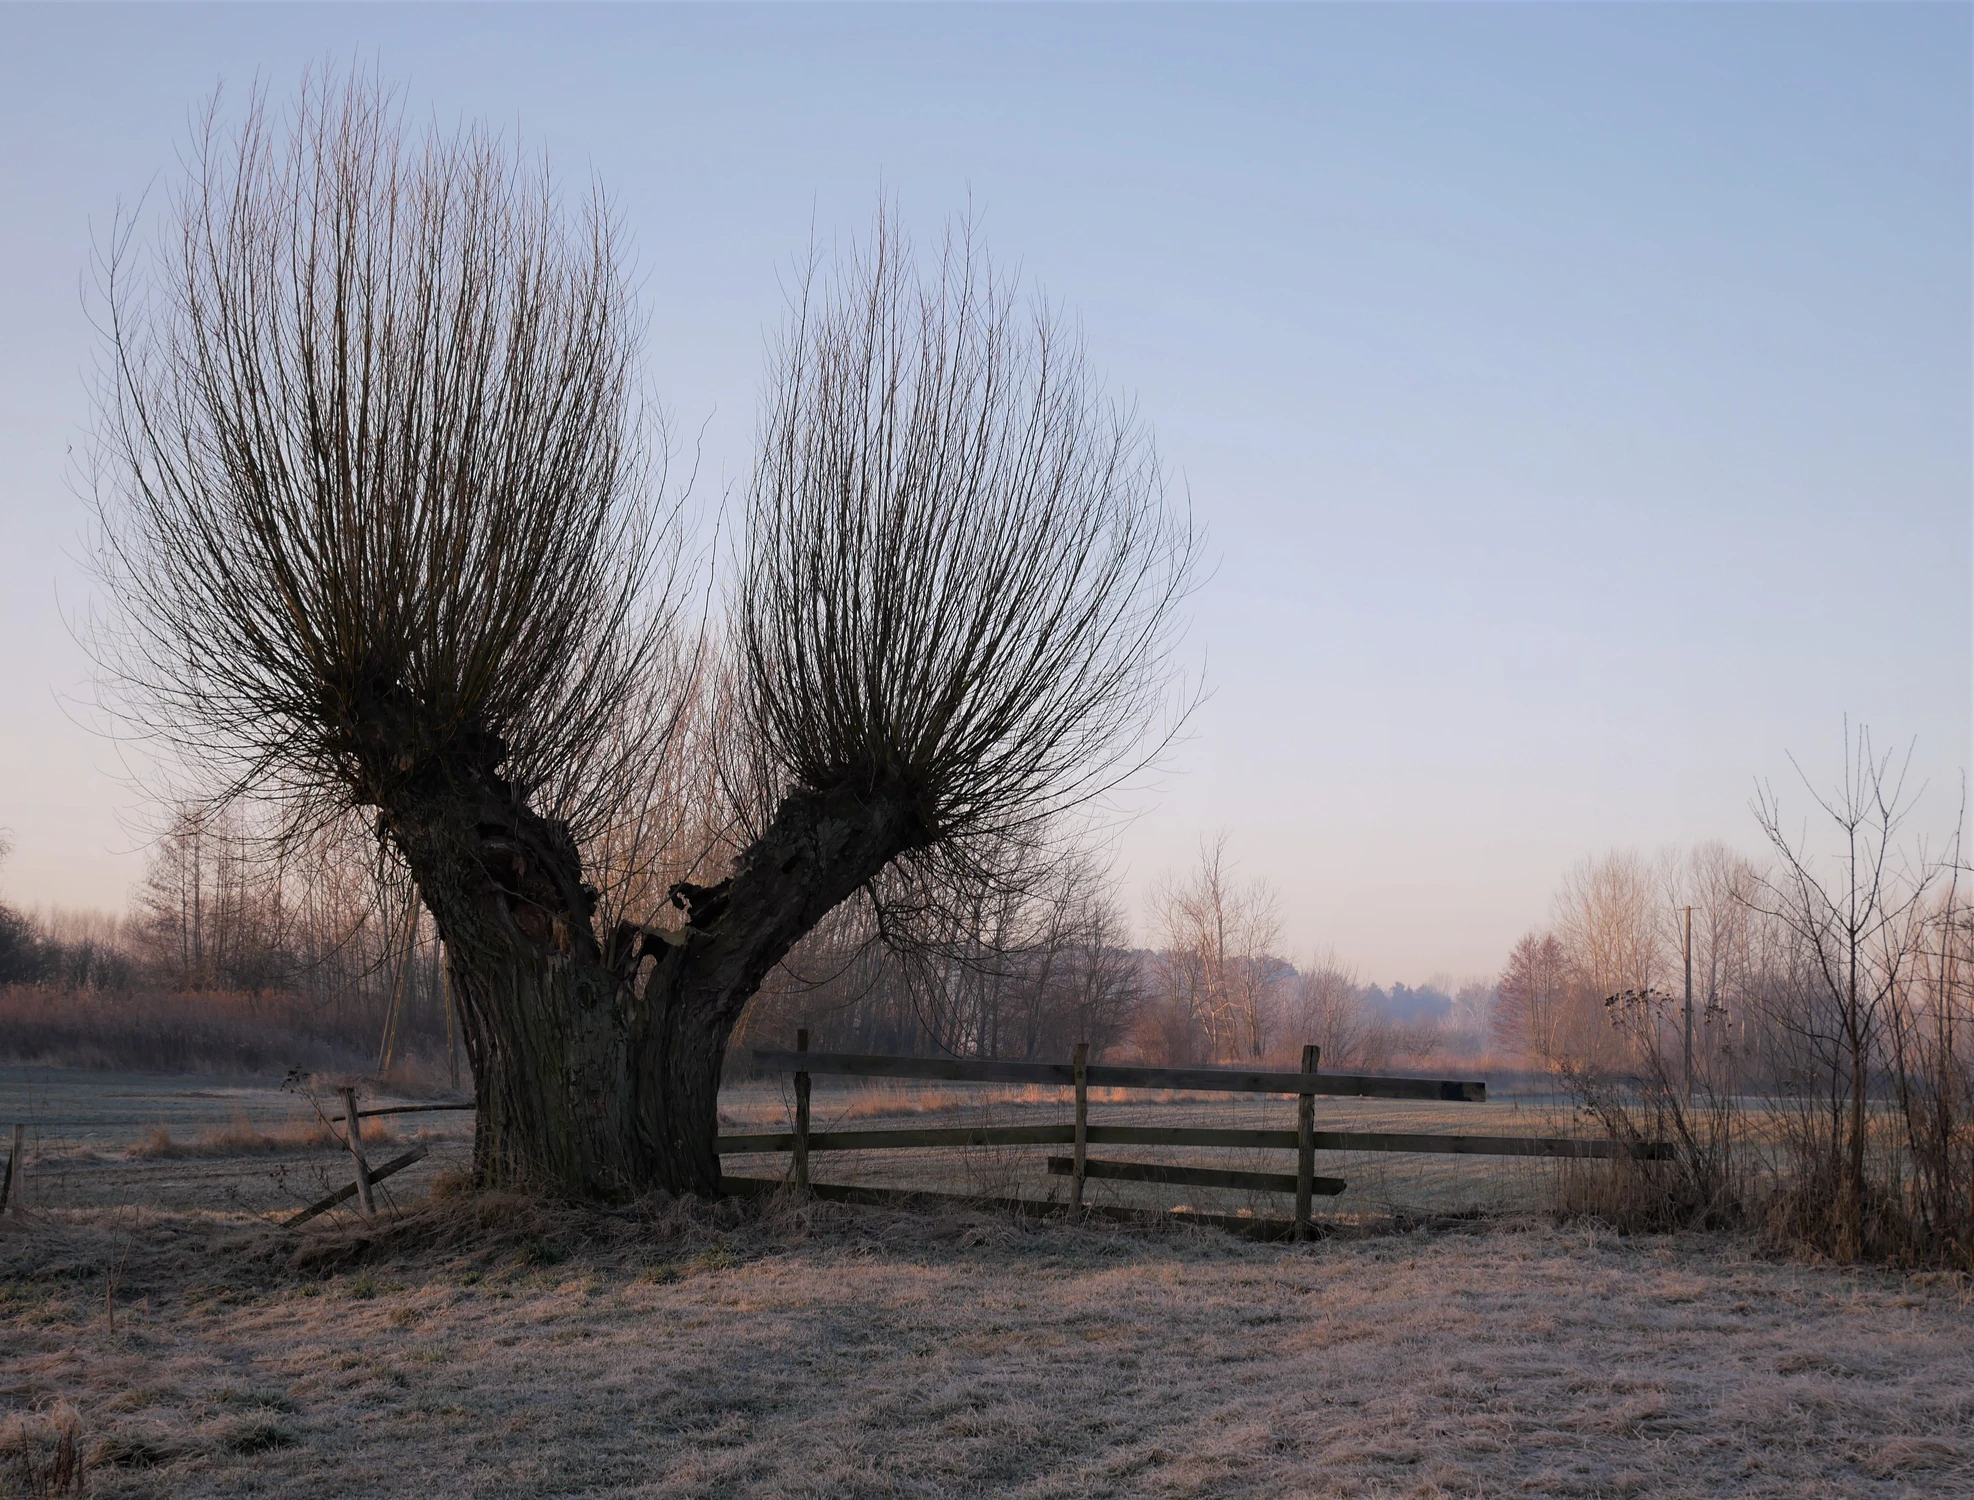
234, 953
320, 943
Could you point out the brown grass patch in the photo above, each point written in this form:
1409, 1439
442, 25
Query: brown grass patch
880, 1101
242, 1137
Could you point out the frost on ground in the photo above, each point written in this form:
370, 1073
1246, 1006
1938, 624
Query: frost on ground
489, 1349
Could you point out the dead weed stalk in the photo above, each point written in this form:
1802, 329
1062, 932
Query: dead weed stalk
41, 1452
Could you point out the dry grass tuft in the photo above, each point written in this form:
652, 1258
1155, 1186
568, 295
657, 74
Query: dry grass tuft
259, 1434
456, 1223
123, 1450
486, 1229
242, 1137
452, 1184
876, 1103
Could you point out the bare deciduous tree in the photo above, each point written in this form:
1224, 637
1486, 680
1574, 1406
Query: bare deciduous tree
379, 521
1931, 1057
1473, 1007
1535, 995
1857, 920
1610, 917
381, 535
1218, 934
1718, 884
1834, 1101
1329, 1011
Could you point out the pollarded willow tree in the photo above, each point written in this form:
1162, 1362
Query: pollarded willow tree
378, 516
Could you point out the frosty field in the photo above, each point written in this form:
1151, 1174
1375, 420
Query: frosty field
492, 1347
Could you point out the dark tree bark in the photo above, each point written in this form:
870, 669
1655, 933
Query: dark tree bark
597, 1064
821, 848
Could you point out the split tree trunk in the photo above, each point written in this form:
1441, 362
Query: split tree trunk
586, 1084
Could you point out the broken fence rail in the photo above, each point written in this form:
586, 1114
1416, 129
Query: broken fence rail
347, 1192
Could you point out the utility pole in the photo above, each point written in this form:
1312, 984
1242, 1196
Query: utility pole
1688, 947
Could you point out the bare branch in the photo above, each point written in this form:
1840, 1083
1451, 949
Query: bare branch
961, 578
377, 499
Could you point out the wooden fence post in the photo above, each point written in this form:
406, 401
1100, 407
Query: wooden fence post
801, 1151
14, 1186
1082, 1058
1305, 1148
364, 1200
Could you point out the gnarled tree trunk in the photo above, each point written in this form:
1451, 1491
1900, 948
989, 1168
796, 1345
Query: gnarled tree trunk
587, 1082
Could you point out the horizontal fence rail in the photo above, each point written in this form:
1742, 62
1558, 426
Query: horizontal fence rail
1186, 1135
1146, 1171
405, 1109
1108, 1076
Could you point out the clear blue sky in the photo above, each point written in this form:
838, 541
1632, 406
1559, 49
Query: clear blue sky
1578, 397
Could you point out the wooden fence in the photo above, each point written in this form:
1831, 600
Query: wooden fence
1079, 1074
1082, 1075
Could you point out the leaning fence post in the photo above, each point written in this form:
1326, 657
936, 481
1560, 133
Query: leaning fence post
801, 1153
14, 1185
1082, 1123
1305, 1148
364, 1200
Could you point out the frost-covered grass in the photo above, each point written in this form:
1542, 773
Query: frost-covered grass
492, 1348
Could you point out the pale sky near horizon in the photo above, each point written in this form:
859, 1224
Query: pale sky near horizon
1577, 398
